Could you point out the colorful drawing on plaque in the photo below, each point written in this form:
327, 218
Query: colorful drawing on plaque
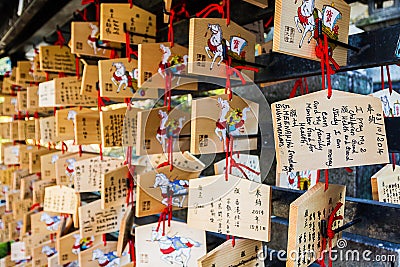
93, 37
18, 226
70, 168
72, 115
301, 180
72, 264
168, 129
310, 17
105, 259
230, 122
173, 249
81, 244
51, 222
390, 102
176, 190
48, 251
175, 64
221, 48
123, 78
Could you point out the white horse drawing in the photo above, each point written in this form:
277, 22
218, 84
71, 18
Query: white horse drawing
70, 167
93, 38
81, 243
165, 130
165, 64
72, 115
215, 44
386, 105
305, 17
51, 222
105, 260
232, 124
174, 249
54, 159
49, 251
121, 77
177, 189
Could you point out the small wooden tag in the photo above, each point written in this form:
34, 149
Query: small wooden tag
305, 215
54, 58
89, 79
34, 158
386, 183
100, 253
12, 155
390, 102
65, 122
87, 128
213, 117
114, 188
301, 180
240, 162
38, 189
45, 223
16, 178
40, 254
156, 60
61, 92
47, 164
60, 199
296, 28
152, 189
65, 168
118, 78
211, 38
158, 250
18, 252
10, 105
19, 208
48, 130
22, 100
243, 207
89, 171
32, 100
125, 230
244, 253
157, 125
84, 40
69, 246
27, 185
95, 221
137, 20
315, 127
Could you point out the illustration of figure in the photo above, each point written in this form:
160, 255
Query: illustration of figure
222, 48
229, 122
72, 115
54, 159
49, 251
92, 38
70, 167
174, 249
299, 180
51, 222
81, 244
386, 106
166, 130
175, 64
123, 78
18, 227
177, 189
306, 15
105, 260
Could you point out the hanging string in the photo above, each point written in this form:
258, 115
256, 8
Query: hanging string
101, 151
389, 80
77, 71
80, 150
128, 49
173, 16
100, 102
104, 239
330, 235
64, 147
240, 166
233, 239
326, 179
269, 21
322, 52
220, 8
130, 3
130, 185
60, 39
97, 4
132, 250
83, 14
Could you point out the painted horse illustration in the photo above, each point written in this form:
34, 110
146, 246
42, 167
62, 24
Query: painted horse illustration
229, 122
174, 249
177, 189
216, 45
299, 180
306, 17
92, 39
166, 130
81, 244
70, 167
174, 64
123, 78
51, 222
72, 115
386, 106
49, 251
109, 259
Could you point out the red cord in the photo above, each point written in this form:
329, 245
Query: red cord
130, 3
80, 150
326, 179
77, 71
101, 151
266, 25
389, 80
128, 50
218, 8
104, 239
60, 39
